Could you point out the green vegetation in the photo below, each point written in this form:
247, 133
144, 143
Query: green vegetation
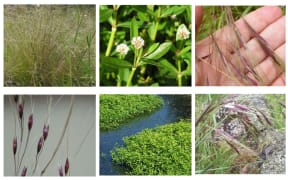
215, 158
276, 103
49, 45
118, 109
162, 56
214, 18
164, 150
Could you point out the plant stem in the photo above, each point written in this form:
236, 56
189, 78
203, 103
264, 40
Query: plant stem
27, 140
156, 25
61, 137
131, 76
111, 40
15, 173
179, 74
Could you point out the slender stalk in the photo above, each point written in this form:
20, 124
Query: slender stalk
179, 74
113, 31
156, 24
27, 140
61, 137
131, 76
137, 57
111, 40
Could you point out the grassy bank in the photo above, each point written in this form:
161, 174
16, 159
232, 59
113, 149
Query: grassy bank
116, 110
164, 150
49, 45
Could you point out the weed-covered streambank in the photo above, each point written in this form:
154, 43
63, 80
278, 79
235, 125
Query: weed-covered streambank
49, 45
118, 109
164, 150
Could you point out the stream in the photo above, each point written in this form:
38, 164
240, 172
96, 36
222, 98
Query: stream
174, 108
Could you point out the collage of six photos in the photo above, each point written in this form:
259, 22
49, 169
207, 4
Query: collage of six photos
139, 115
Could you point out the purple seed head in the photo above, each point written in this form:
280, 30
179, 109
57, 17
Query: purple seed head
40, 144
20, 111
16, 97
67, 166
24, 171
30, 122
45, 131
60, 171
14, 145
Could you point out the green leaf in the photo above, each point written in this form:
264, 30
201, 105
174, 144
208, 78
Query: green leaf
151, 48
167, 67
187, 71
160, 51
145, 10
115, 63
151, 29
185, 50
133, 28
175, 10
124, 74
105, 14
188, 10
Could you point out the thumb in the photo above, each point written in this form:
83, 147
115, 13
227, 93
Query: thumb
198, 15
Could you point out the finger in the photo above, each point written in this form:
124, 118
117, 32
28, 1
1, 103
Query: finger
280, 81
198, 15
274, 35
258, 19
267, 70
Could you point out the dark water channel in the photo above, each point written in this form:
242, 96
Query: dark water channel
175, 107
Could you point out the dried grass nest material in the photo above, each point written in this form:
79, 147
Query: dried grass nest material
246, 125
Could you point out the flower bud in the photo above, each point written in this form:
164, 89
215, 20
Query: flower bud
30, 122
40, 144
24, 171
60, 171
66, 166
45, 131
16, 97
20, 111
14, 145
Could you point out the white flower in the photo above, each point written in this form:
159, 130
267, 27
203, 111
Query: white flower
122, 49
137, 42
182, 32
173, 16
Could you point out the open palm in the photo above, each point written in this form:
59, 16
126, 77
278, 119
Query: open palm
269, 23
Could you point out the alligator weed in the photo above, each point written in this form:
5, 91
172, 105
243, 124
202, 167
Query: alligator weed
42, 137
116, 110
234, 46
164, 150
240, 134
145, 45
49, 45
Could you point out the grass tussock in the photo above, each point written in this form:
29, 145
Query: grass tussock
49, 45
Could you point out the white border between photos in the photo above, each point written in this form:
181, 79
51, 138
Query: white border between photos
141, 90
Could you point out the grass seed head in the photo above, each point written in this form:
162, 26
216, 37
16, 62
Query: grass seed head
14, 145
60, 171
20, 111
30, 122
40, 144
67, 164
45, 131
24, 171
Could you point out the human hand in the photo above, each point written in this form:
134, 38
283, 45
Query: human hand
269, 23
